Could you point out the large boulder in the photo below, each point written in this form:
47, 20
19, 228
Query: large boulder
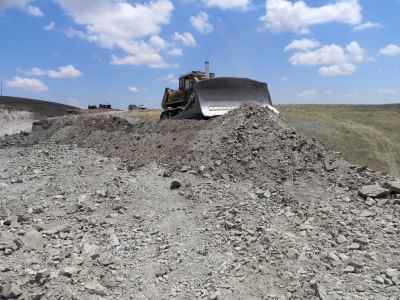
373, 191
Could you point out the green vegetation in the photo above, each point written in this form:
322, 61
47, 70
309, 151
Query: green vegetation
364, 134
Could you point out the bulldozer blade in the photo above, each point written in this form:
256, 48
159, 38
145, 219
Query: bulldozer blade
218, 96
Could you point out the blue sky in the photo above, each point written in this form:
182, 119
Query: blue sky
122, 52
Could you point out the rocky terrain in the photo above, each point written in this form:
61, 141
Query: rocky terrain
238, 207
12, 122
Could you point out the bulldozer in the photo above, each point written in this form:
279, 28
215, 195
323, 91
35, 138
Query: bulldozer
202, 95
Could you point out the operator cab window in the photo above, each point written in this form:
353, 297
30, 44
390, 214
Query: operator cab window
187, 84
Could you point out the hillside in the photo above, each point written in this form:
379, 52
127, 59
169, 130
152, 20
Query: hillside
365, 134
38, 107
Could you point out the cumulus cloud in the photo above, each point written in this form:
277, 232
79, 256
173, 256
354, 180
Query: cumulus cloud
185, 38
201, 23
175, 52
333, 60
337, 70
74, 33
367, 25
64, 72
148, 56
29, 84
390, 50
133, 89
24, 5
228, 4
158, 42
130, 28
303, 44
298, 16
50, 27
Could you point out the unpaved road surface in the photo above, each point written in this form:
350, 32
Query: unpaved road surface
12, 122
239, 207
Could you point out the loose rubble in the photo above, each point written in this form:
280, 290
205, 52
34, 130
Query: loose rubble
238, 207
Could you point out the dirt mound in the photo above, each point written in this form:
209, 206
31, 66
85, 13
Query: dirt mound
248, 143
253, 143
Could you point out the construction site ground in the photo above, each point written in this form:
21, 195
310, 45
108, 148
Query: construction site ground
104, 206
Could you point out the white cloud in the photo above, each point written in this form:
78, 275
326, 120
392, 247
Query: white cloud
133, 89
303, 44
185, 38
29, 84
124, 26
50, 27
337, 70
367, 25
35, 72
24, 5
74, 33
175, 52
228, 4
64, 72
148, 57
201, 23
158, 42
390, 50
308, 94
285, 15
333, 59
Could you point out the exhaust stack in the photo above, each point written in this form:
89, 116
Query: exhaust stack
207, 69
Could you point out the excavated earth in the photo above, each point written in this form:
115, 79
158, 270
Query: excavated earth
237, 207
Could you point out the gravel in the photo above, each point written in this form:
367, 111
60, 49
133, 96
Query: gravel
238, 207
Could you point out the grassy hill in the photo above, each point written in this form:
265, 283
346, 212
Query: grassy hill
37, 107
365, 134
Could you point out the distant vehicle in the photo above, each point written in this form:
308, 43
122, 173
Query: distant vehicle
105, 106
136, 107
92, 106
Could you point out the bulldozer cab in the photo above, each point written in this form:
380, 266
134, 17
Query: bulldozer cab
186, 82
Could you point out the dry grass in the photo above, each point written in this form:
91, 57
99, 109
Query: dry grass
141, 115
367, 135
